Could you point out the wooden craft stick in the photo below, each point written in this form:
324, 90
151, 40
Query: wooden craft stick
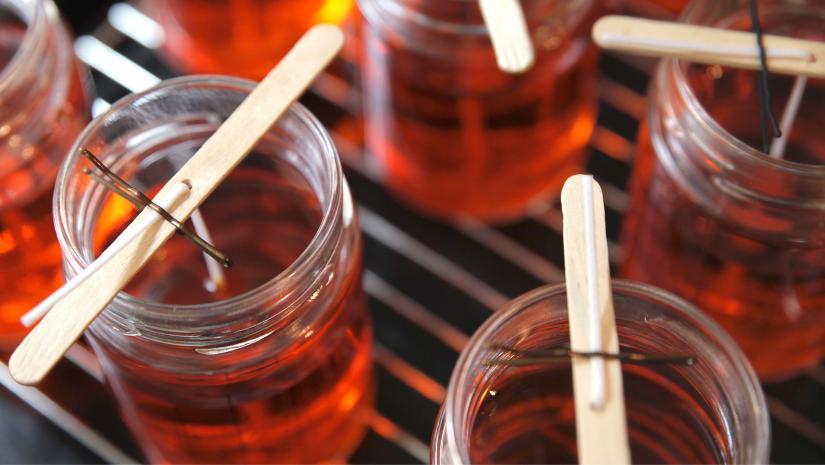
508, 32
601, 427
709, 45
233, 140
30, 318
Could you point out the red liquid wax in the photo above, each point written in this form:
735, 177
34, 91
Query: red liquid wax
29, 158
768, 293
527, 415
672, 6
239, 37
456, 135
302, 404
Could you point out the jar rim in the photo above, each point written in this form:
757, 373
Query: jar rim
371, 9
452, 408
36, 14
302, 265
676, 68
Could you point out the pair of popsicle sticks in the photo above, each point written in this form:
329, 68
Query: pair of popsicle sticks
738, 49
709, 45
601, 425
219, 155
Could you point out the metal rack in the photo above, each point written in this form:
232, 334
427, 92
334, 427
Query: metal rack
430, 284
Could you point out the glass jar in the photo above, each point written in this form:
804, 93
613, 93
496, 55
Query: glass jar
272, 366
44, 104
238, 37
710, 412
459, 137
717, 221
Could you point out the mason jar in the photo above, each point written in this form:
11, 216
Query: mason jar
737, 232
272, 362
238, 37
711, 411
455, 135
44, 104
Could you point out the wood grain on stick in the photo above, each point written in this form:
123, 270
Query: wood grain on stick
222, 152
601, 427
508, 32
702, 44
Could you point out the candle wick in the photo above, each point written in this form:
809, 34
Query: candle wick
217, 278
789, 116
765, 108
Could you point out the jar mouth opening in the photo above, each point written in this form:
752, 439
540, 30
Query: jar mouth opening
677, 69
332, 184
33, 13
455, 420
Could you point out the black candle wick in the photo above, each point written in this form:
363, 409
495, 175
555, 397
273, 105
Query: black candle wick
765, 106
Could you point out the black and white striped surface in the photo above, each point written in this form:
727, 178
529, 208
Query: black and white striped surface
430, 284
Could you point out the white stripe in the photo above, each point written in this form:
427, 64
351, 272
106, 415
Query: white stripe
30, 318
413, 311
552, 218
511, 250
615, 198
612, 144
622, 97
136, 25
597, 366
796, 421
415, 251
399, 436
789, 116
120, 69
99, 106
408, 374
217, 278
39, 401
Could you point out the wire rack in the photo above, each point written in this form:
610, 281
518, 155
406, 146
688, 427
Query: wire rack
429, 284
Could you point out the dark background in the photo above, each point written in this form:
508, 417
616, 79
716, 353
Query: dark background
83, 15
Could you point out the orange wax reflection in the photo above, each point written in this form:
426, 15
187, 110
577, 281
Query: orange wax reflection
238, 37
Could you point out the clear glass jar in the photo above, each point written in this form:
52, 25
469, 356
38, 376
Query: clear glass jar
238, 37
718, 222
710, 412
44, 104
456, 135
274, 366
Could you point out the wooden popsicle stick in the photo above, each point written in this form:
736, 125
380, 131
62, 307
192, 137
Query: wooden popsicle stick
709, 45
233, 140
31, 317
601, 427
508, 32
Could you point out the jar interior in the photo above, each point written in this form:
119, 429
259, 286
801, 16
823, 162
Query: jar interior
731, 96
676, 413
262, 216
